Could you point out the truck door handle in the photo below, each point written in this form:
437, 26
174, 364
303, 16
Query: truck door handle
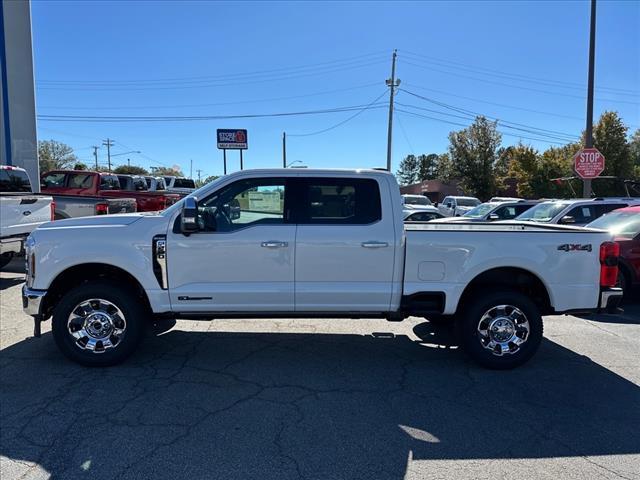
274, 244
375, 244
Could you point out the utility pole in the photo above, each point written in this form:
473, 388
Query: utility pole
392, 83
128, 162
108, 143
284, 149
191, 168
588, 140
95, 155
198, 171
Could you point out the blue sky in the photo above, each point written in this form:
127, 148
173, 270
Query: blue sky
521, 62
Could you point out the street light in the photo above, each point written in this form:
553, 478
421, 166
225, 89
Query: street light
293, 163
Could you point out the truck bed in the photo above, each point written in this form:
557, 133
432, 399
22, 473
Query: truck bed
444, 258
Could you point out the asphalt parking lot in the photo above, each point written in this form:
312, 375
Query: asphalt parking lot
320, 399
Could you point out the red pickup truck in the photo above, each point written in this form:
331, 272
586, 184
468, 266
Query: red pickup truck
84, 183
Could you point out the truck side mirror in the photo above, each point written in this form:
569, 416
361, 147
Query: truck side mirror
189, 219
567, 219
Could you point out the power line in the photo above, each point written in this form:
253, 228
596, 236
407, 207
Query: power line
466, 125
547, 92
116, 119
198, 105
348, 60
404, 134
211, 84
509, 124
363, 109
514, 76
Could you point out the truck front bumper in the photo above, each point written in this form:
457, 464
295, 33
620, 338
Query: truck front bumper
32, 301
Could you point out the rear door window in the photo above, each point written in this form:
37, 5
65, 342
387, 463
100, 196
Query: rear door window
608, 207
53, 180
339, 201
80, 180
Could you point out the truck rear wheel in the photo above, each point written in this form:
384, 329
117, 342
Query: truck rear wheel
500, 330
98, 324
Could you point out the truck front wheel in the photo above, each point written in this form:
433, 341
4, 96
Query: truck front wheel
500, 330
98, 324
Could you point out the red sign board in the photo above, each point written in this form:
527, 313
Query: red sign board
588, 163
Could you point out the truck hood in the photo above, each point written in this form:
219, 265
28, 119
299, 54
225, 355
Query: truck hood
120, 220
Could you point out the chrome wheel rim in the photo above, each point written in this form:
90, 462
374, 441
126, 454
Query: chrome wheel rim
503, 330
96, 325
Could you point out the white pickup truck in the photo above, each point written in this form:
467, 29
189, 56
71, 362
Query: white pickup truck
21, 211
325, 243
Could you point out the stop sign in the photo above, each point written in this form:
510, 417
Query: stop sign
588, 163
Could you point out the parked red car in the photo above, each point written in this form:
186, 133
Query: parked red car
624, 223
85, 183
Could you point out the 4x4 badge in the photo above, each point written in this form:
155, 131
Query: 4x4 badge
572, 247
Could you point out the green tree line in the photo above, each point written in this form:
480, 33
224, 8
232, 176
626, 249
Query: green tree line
476, 158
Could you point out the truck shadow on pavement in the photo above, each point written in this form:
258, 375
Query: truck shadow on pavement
277, 406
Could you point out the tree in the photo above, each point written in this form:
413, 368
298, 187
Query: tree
80, 166
209, 179
166, 171
555, 162
427, 166
473, 152
54, 155
522, 163
634, 150
408, 171
610, 137
444, 170
130, 170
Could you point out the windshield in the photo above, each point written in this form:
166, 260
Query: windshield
543, 212
184, 183
480, 210
14, 181
468, 202
416, 200
199, 193
624, 224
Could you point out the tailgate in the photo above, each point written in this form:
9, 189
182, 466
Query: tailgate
122, 205
22, 214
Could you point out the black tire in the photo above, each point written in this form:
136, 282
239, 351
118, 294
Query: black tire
5, 258
623, 282
131, 307
473, 312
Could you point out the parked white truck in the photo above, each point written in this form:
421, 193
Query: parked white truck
292, 243
21, 211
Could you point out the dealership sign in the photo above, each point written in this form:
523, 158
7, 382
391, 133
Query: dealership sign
588, 163
232, 139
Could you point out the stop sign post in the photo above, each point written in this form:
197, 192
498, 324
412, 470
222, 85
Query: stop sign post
588, 163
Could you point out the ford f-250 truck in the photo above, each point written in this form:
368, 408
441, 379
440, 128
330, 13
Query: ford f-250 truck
328, 243
101, 184
21, 211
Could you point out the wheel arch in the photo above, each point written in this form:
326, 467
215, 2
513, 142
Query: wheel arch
86, 272
512, 278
